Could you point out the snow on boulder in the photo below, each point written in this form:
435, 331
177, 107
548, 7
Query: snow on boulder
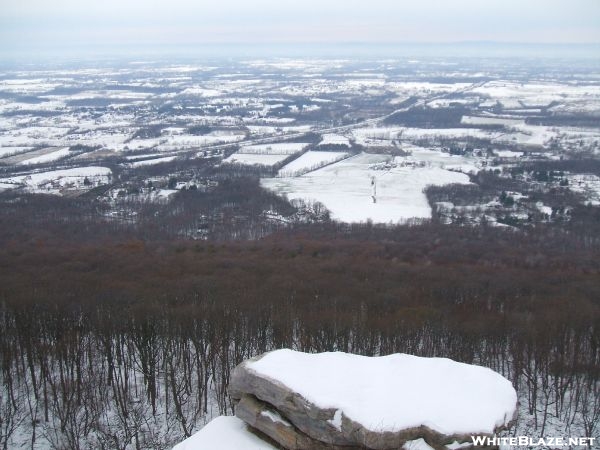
337, 399
224, 433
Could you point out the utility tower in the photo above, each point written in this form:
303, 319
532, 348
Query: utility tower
374, 186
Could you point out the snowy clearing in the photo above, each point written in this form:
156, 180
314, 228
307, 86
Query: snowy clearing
477, 120
335, 139
251, 159
150, 162
508, 154
201, 92
56, 180
47, 157
266, 154
346, 189
424, 133
535, 94
281, 148
310, 160
9, 151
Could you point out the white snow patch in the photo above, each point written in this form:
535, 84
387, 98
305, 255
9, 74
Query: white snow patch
475, 120
508, 154
166, 193
136, 157
201, 92
224, 433
543, 208
417, 444
275, 417
336, 422
150, 162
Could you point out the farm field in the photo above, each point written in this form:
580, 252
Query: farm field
346, 188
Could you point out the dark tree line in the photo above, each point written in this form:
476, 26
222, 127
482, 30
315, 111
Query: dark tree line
553, 120
233, 209
425, 117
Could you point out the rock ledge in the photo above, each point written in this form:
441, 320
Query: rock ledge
342, 401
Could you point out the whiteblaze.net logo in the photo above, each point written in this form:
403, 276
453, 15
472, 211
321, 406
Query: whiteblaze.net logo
526, 441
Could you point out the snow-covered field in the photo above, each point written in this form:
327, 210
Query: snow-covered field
346, 189
376, 136
7, 151
47, 157
33, 136
53, 182
150, 162
334, 139
310, 160
252, 159
523, 95
508, 154
266, 154
174, 142
280, 148
482, 120
106, 106
457, 133
404, 90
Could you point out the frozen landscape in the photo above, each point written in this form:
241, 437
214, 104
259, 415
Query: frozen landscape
300, 225
365, 140
164, 220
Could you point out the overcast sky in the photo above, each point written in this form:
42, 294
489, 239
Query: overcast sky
49, 25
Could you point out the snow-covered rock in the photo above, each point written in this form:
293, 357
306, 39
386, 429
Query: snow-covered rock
306, 400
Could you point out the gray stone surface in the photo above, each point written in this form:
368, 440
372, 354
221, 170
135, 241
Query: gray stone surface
268, 421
